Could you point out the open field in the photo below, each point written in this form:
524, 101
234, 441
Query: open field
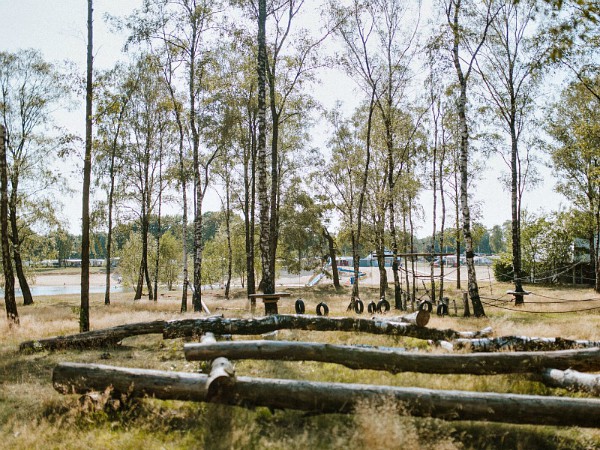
33, 415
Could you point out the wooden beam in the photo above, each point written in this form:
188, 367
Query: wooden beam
330, 397
398, 360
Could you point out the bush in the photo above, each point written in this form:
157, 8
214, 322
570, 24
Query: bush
503, 270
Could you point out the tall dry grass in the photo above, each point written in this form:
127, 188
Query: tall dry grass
33, 415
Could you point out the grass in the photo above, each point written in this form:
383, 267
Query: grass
33, 415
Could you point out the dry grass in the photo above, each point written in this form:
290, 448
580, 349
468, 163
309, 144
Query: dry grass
33, 415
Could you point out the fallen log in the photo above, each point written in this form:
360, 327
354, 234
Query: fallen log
394, 360
98, 338
196, 327
420, 318
105, 337
516, 343
572, 380
330, 397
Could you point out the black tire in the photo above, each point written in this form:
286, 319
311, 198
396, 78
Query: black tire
442, 309
359, 306
426, 305
372, 307
322, 309
299, 306
383, 306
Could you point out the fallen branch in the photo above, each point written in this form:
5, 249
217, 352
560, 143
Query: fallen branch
517, 343
330, 397
196, 327
397, 360
98, 338
572, 380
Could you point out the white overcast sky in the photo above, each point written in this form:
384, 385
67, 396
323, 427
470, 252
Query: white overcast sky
58, 29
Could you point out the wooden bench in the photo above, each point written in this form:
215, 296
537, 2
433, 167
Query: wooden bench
270, 301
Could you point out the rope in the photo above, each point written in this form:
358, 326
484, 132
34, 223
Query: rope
540, 312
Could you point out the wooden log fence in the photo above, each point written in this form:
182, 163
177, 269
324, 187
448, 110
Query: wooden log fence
572, 380
329, 397
397, 360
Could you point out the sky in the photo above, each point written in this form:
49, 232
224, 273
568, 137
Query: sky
58, 29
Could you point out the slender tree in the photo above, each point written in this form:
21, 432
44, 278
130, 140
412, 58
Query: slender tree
84, 311
9, 278
455, 15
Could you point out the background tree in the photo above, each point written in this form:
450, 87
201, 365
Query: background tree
575, 151
510, 66
84, 313
9, 279
30, 90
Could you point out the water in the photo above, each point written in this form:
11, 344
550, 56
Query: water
38, 291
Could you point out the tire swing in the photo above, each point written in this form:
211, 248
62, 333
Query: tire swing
299, 306
426, 305
442, 310
372, 307
322, 309
359, 306
383, 306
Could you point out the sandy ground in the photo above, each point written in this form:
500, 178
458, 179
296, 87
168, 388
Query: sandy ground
96, 279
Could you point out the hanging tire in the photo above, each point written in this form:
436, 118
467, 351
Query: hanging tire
442, 309
322, 309
359, 306
372, 307
426, 305
299, 306
383, 306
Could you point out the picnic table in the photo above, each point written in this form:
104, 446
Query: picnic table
270, 300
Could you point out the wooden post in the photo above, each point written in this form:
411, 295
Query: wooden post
467, 312
455, 308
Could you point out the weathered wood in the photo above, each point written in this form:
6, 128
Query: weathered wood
516, 343
398, 360
419, 318
330, 397
261, 325
572, 380
96, 338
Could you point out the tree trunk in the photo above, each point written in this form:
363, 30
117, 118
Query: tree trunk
361, 200
516, 216
16, 247
398, 360
196, 327
84, 310
520, 343
572, 380
267, 280
9, 278
228, 231
322, 397
332, 255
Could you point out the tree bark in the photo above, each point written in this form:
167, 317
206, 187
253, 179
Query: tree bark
10, 302
572, 380
396, 360
322, 397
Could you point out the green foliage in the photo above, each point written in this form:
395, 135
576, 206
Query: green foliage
502, 267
